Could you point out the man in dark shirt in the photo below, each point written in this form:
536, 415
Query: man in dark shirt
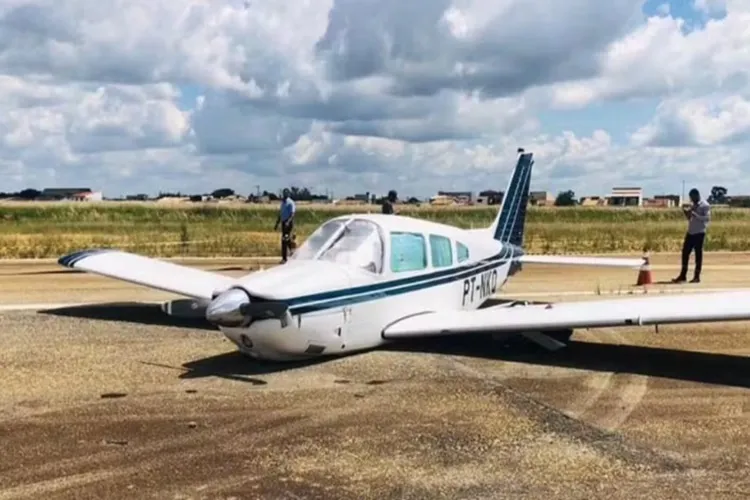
389, 201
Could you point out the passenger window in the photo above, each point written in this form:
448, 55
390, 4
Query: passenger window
441, 251
408, 252
462, 252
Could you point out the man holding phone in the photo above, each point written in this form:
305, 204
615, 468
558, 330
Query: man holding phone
698, 215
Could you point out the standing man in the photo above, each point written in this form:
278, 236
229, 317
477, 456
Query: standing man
698, 216
286, 218
389, 201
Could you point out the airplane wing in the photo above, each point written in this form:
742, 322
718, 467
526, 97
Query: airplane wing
146, 271
580, 261
688, 308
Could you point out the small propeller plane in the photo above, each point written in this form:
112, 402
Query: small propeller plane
363, 280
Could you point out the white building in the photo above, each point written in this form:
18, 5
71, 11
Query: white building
626, 196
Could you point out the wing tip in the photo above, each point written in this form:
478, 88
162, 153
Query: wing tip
71, 259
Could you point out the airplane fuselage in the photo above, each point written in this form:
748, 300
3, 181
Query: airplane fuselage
338, 309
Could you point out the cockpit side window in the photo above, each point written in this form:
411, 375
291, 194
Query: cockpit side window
441, 251
359, 244
408, 252
462, 252
314, 243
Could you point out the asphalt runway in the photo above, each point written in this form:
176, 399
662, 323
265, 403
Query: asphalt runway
120, 401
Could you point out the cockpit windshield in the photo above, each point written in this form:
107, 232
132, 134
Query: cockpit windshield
354, 242
359, 244
312, 245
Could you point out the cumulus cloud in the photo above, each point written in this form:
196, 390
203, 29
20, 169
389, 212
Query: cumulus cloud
424, 47
362, 95
659, 58
709, 121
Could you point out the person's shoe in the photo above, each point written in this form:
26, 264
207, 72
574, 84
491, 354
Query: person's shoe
679, 279
695, 280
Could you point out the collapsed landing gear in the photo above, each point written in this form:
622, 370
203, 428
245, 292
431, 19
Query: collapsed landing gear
550, 340
563, 335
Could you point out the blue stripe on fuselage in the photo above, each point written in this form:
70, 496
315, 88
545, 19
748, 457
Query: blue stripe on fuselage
348, 296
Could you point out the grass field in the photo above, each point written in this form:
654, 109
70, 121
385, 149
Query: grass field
38, 230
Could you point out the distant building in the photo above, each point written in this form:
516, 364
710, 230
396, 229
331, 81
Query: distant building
137, 197
541, 198
87, 196
739, 201
663, 201
592, 201
165, 200
489, 197
63, 193
362, 197
442, 199
658, 203
462, 197
674, 200
626, 197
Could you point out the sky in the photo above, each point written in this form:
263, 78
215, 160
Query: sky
349, 96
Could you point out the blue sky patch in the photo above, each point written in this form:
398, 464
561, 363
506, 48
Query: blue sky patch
618, 119
684, 9
189, 93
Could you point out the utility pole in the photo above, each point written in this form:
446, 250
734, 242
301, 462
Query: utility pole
682, 198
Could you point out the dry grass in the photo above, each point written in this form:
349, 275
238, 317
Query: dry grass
37, 230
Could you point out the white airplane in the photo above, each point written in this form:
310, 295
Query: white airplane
363, 280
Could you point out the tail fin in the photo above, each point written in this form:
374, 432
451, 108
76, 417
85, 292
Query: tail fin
511, 217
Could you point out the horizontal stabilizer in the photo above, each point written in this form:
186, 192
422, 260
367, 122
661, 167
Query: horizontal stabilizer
565, 260
650, 310
149, 272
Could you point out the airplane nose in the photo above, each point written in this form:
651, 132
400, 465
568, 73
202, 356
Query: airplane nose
228, 308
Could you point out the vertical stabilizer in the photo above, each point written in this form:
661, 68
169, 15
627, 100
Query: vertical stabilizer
508, 226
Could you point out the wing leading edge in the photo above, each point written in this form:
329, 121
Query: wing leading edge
689, 308
146, 271
581, 261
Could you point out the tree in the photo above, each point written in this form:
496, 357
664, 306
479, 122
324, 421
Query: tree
223, 193
565, 198
299, 194
718, 195
29, 194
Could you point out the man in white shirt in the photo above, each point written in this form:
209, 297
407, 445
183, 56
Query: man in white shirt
699, 216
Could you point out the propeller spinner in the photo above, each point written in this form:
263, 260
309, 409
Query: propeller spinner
229, 308
233, 309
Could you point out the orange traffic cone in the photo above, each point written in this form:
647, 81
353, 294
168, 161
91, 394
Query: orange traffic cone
644, 275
